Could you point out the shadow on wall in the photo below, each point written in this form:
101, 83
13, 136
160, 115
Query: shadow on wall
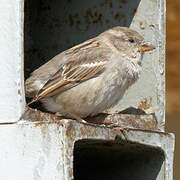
110, 160
54, 26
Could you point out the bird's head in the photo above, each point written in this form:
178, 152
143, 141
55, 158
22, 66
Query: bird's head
128, 42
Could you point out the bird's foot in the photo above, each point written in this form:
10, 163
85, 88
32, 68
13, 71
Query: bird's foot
59, 114
113, 125
75, 117
82, 121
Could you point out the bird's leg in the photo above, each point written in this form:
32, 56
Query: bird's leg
59, 114
73, 116
76, 117
82, 121
113, 125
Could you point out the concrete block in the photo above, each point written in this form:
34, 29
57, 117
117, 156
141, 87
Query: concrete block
12, 100
67, 150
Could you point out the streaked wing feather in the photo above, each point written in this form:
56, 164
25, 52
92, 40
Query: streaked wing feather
82, 65
57, 85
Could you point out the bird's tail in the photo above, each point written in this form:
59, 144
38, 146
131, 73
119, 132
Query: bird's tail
34, 100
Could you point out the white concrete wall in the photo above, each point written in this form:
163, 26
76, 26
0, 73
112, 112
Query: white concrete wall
43, 151
30, 151
11, 61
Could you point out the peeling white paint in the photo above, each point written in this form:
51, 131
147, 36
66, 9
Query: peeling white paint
44, 151
11, 54
30, 152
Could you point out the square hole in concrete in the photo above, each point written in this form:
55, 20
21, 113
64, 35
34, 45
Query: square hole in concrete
111, 160
51, 27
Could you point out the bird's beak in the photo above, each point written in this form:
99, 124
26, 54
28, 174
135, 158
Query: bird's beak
146, 47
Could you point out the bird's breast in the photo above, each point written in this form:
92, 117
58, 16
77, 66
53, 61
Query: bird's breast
95, 95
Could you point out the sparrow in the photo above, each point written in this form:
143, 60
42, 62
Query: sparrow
91, 77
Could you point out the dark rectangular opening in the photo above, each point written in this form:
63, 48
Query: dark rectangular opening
54, 26
112, 160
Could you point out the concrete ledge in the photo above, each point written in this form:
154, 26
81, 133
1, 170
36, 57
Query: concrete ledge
51, 150
130, 118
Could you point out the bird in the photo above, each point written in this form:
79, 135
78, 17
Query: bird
91, 77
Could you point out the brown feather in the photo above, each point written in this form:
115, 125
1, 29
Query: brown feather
84, 61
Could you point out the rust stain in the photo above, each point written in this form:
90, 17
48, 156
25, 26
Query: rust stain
142, 24
40, 118
84, 131
134, 121
70, 131
92, 15
145, 103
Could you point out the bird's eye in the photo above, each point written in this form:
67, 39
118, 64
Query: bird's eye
131, 40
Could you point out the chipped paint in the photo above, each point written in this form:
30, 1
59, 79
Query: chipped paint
142, 25
145, 104
45, 151
12, 102
123, 120
72, 131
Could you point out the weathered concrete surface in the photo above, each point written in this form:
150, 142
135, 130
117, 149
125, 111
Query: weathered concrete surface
122, 119
43, 151
30, 152
164, 141
12, 100
114, 160
152, 150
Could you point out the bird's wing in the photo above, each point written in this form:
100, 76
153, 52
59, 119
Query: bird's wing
84, 62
